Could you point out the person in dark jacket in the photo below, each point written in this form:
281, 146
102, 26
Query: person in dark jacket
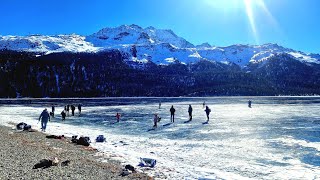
63, 115
155, 120
207, 110
249, 103
73, 108
44, 117
172, 111
190, 112
79, 108
52, 110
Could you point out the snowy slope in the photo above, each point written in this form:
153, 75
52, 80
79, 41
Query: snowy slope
157, 45
163, 53
41, 43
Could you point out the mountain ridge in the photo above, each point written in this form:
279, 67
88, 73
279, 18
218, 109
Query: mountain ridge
160, 46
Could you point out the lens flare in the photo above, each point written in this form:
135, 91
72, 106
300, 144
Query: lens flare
249, 11
255, 11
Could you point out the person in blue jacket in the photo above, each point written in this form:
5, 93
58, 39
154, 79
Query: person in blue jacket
44, 117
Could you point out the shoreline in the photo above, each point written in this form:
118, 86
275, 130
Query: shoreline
21, 150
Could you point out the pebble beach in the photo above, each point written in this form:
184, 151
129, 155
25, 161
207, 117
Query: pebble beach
21, 150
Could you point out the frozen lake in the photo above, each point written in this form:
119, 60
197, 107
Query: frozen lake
278, 138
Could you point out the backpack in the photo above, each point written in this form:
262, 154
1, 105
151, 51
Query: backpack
74, 139
100, 138
27, 127
21, 126
85, 141
147, 162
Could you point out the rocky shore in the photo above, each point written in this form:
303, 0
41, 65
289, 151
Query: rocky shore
21, 150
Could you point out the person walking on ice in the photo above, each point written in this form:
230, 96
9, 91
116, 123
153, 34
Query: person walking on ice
172, 111
79, 108
118, 115
190, 112
63, 115
249, 103
73, 108
44, 117
155, 120
52, 109
207, 110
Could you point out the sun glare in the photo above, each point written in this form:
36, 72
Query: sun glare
249, 11
250, 7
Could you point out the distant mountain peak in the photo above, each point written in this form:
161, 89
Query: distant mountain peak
151, 28
204, 45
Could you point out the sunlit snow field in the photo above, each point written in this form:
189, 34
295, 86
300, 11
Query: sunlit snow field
278, 138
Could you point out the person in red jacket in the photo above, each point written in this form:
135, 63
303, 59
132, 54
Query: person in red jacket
118, 115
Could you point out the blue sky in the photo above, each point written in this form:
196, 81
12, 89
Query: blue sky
290, 23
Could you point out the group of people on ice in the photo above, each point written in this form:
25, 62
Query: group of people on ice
207, 110
157, 119
45, 115
71, 107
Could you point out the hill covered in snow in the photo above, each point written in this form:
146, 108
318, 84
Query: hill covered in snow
159, 46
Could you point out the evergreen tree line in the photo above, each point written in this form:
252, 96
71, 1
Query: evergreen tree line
25, 74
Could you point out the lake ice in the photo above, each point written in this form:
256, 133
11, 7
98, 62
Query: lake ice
278, 138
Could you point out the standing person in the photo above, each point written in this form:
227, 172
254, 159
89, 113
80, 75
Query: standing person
44, 117
207, 110
190, 112
68, 107
118, 115
159, 104
79, 108
73, 108
63, 115
155, 120
249, 103
172, 111
203, 104
52, 109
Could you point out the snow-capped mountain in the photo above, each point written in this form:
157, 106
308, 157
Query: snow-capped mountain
47, 44
150, 44
133, 34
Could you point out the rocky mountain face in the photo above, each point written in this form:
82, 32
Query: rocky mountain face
135, 61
